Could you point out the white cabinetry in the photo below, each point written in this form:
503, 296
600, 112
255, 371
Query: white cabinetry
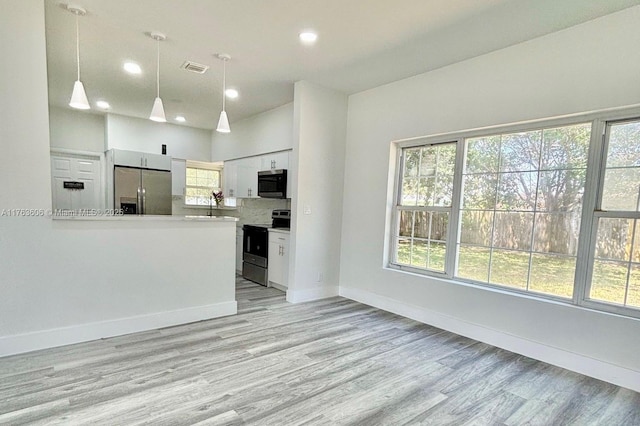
276, 160
241, 176
247, 183
278, 259
141, 159
230, 178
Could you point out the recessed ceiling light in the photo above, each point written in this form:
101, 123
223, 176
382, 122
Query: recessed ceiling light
308, 37
231, 93
132, 68
103, 104
180, 118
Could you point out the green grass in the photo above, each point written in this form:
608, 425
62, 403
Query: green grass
549, 274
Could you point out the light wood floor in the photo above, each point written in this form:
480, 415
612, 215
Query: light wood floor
321, 363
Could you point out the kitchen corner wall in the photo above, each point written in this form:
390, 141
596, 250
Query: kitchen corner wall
320, 117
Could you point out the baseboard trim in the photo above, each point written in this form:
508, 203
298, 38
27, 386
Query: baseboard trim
315, 293
592, 367
27, 342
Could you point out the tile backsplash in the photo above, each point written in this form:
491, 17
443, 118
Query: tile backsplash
248, 210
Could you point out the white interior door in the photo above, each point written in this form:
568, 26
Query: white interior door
76, 169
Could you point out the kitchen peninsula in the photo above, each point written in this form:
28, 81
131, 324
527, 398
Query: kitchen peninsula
122, 274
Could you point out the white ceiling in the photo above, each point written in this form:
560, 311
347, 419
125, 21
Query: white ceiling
362, 44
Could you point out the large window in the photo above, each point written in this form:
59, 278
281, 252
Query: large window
425, 206
616, 266
552, 211
201, 182
521, 208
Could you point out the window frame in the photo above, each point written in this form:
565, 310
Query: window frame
201, 166
397, 208
591, 202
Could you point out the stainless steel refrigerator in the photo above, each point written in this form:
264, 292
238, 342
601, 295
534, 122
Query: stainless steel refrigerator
142, 191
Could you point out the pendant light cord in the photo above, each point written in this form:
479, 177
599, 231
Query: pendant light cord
158, 71
224, 82
78, 45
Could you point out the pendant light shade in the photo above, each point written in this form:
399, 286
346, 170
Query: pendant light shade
78, 96
157, 112
223, 122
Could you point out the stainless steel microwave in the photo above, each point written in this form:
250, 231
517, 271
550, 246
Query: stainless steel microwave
272, 183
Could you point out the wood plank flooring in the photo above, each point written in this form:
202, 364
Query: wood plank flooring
329, 362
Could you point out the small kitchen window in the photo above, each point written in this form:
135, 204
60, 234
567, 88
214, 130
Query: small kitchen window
201, 181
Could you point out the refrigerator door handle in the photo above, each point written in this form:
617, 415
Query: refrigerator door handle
144, 200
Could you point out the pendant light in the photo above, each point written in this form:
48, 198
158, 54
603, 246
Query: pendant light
78, 96
223, 123
157, 112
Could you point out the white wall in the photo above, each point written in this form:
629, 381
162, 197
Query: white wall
76, 130
588, 67
267, 132
137, 134
63, 282
24, 118
318, 166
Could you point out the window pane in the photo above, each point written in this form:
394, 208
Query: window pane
624, 145
436, 256
473, 263
566, 147
633, 293
403, 251
614, 239
411, 162
517, 191
512, 230
483, 154
479, 191
439, 224
509, 268
476, 227
406, 224
561, 190
609, 281
425, 191
557, 233
552, 275
409, 191
621, 189
419, 253
521, 151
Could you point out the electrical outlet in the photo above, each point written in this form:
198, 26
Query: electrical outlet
306, 209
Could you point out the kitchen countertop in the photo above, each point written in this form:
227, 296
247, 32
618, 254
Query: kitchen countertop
280, 230
132, 217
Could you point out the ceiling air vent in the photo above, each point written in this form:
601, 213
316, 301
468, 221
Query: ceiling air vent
194, 67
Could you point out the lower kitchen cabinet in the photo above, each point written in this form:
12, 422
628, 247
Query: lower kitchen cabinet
278, 259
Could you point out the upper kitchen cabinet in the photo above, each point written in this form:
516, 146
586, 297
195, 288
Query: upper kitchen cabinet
139, 159
276, 160
241, 177
230, 179
247, 177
